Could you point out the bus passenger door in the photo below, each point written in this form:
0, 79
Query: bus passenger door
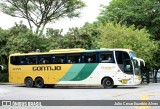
125, 65
128, 72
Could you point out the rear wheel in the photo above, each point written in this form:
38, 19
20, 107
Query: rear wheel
39, 83
107, 83
29, 82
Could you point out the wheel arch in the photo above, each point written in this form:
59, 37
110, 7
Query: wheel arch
27, 78
38, 77
39, 82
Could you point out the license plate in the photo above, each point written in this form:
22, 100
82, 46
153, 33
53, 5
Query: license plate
124, 81
139, 77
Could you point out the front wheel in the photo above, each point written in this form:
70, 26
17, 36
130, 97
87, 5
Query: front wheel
107, 83
39, 83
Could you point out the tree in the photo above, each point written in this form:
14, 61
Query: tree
18, 39
54, 38
4, 35
41, 12
83, 37
120, 36
141, 13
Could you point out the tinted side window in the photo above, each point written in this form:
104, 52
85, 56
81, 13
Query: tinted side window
31, 60
59, 59
15, 60
74, 58
126, 55
23, 60
106, 57
89, 58
119, 57
44, 59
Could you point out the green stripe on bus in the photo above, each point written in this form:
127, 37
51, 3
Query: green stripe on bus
85, 72
73, 72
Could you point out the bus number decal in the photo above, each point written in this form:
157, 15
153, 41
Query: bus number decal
16, 69
46, 68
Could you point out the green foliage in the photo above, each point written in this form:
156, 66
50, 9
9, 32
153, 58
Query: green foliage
53, 38
21, 40
83, 37
4, 36
18, 39
120, 36
41, 12
3, 77
141, 13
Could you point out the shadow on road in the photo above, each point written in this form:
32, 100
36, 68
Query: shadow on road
81, 87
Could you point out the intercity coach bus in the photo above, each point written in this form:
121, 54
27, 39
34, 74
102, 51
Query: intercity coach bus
106, 67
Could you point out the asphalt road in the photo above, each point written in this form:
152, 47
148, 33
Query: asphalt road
20, 92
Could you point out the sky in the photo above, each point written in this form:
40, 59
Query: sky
88, 14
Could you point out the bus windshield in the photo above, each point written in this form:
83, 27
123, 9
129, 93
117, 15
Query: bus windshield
132, 54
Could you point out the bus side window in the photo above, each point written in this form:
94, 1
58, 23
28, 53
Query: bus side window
31, 60
121, 56
44, 59
74, 58
15, 60
53, 60
106, 57
59, 59
126, 55
90, 58
22, 60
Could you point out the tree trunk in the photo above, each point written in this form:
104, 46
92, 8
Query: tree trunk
155, 75
147, 77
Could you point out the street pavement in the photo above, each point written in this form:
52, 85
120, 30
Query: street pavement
20, 92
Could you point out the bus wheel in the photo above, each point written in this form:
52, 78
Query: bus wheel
29, 82
39, 83
107, 83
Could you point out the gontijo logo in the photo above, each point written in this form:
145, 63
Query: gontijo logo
46, 68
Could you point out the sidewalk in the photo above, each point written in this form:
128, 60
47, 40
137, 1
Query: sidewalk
6, 83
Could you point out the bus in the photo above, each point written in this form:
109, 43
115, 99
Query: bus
98, 67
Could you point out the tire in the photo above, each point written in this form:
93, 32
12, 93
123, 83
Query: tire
39, 82
29, 82
107, 83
